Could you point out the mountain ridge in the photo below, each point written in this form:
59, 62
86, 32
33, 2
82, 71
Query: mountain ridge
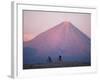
63, 39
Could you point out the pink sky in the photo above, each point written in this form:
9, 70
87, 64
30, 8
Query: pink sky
36, 22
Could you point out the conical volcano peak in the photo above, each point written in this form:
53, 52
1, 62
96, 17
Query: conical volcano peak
64, 40
65, 24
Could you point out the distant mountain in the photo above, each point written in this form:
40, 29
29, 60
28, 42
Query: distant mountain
63, 40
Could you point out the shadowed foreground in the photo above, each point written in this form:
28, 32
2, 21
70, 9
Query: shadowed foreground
54, 65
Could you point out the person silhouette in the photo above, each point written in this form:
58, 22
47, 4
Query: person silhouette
49, 59
60, 58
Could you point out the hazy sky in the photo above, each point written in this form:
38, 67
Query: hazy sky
36, 22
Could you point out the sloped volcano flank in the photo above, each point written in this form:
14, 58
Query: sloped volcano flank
63, 43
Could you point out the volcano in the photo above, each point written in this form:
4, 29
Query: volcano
63, 41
